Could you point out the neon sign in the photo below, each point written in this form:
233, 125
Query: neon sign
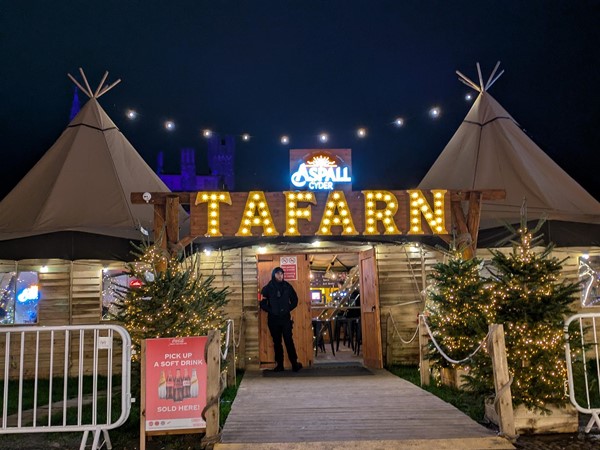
320, 173
30, 293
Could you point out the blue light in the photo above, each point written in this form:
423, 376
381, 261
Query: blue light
27, 294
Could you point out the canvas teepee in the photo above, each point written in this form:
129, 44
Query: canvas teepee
490, 151
76, 199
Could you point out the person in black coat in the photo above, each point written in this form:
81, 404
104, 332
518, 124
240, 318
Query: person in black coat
279, 299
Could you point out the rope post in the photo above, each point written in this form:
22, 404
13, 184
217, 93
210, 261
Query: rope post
213, 388
423, 350
231, 381
503, 402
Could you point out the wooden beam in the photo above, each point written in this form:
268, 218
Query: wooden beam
160, 198
486, 194
160, 214
172, 212
473, 218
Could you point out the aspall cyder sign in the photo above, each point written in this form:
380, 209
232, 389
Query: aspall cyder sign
321, 170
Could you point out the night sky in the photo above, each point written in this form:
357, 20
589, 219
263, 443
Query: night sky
298, 68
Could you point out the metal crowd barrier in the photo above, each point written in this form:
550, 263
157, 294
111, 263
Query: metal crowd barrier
49, 370
582, 332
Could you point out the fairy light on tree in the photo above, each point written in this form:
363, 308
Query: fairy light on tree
532, 303
459, 306
176, 302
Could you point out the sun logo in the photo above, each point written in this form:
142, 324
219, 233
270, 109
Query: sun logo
321, 161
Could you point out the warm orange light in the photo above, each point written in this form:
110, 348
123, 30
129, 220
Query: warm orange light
214, 199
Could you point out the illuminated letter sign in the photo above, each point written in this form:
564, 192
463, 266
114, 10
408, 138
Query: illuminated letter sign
321, 170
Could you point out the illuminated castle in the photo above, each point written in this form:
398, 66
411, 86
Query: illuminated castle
221, 152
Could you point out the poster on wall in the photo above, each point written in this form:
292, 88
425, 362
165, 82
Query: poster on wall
289, 264
175, 388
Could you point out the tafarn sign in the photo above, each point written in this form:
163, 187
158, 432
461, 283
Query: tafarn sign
308, 213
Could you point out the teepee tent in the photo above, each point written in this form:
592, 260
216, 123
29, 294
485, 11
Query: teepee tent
75, 202
490, 151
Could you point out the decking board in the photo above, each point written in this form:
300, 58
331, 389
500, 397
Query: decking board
377, 407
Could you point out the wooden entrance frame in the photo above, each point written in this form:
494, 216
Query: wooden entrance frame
166, 216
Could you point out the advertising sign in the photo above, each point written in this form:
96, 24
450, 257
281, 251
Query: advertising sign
321, 170
289, 264
175, 383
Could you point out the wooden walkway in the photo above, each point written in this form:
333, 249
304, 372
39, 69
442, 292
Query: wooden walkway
351, 408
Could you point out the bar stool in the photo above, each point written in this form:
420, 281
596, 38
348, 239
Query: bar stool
320, 326
355, 335
341, 323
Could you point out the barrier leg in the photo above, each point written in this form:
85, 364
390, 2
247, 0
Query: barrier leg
107, 439
97, 432
84, 440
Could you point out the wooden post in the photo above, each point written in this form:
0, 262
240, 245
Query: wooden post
172, 214
213, 361
231, 380
423, 351
160, 213
241, 354
504, 405
473, 218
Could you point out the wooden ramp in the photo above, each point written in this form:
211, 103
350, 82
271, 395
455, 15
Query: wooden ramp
346, 408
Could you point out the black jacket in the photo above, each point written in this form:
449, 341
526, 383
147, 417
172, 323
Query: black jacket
279, 298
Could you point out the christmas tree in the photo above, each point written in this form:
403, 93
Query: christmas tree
167, 297
532, 302
459, 307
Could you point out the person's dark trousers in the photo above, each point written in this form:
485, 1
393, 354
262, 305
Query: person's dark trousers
281, 326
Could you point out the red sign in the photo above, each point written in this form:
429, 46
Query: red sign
175, 383
289, 264
135, 283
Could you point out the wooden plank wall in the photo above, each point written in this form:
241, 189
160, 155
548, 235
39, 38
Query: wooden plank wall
236, 269
70, 294
403, 271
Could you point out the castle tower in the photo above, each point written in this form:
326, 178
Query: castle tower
188, 169
221, 157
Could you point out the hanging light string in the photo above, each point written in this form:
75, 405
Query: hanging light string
361, 131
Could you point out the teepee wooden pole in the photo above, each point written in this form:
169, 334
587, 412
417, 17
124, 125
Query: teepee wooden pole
487, 85
82, 89
101, 84
480, 78
108, 88
464, 79
494, 80
91, 94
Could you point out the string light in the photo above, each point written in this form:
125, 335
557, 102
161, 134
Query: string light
374, 216
468, 97
257, 214
245, 137
420, 207
399, 122
284, 140
361, 132
131, 114
435, 112
337, 214
169, 125
293, 214
207, 133
323, 137
214, 199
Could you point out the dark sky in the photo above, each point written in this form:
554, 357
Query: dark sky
298, 68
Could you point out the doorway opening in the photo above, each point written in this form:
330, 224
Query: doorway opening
335, 305
337, 321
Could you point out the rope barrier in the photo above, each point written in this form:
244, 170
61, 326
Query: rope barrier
450, 360
398, 333
227, 333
